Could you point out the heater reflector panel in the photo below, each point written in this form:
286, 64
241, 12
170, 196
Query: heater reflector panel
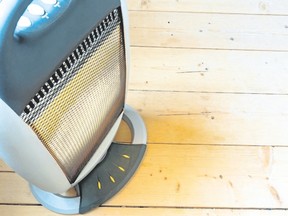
77, 106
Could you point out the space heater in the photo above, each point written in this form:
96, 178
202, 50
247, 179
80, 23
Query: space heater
63, 75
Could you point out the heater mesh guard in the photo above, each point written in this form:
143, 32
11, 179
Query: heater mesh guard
75, 109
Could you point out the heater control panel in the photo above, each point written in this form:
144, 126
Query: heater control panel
40, 13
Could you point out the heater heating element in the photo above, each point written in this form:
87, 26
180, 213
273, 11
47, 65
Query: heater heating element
78, 105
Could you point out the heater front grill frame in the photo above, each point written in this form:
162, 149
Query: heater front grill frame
66, 71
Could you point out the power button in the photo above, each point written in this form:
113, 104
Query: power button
36, 10
40, 14
24, 22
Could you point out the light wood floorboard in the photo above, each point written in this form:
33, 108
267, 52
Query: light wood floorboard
210, 80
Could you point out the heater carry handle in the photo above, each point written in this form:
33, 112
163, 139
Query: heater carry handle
10, 13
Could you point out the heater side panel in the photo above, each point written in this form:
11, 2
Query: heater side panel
21, 149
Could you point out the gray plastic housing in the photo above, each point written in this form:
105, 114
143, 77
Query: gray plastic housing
107, 178
29, 58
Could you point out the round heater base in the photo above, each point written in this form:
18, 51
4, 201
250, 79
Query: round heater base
107, 178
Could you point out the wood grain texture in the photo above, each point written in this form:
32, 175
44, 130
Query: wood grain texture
206, 118
276, 7
199, 70
190, 176
116, 211
208, 31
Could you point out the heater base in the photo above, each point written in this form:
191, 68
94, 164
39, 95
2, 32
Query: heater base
107, 178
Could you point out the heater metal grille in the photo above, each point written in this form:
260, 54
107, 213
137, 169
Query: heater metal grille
77, 106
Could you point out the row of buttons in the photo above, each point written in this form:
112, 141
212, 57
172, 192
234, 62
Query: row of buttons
34, 9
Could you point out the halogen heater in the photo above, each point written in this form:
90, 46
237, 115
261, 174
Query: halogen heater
63, 74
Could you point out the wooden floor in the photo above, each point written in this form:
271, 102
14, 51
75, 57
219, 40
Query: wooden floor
210, 78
